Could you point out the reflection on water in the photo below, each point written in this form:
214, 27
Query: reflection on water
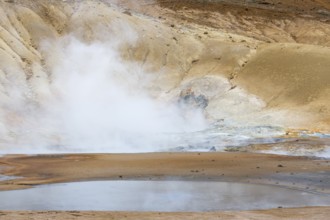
156, 196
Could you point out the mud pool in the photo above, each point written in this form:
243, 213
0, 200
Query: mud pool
165, 196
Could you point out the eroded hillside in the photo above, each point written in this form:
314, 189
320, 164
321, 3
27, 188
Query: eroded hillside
242, 63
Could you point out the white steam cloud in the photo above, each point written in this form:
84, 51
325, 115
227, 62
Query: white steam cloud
94, 101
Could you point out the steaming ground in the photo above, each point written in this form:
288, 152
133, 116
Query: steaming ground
93, 76
97, 102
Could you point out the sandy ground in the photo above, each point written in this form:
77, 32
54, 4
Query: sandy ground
316, 213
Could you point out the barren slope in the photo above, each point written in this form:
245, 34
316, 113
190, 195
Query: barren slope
255, 63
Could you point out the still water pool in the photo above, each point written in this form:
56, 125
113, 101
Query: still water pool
157, 196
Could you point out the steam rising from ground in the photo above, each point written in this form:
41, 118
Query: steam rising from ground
96, 101
85, 97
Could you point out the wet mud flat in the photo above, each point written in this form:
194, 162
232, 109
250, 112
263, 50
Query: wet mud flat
304, 173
